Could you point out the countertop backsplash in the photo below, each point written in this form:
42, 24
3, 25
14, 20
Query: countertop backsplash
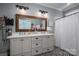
25, 33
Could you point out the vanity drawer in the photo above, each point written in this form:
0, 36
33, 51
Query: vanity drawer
36, 38
36, 51
36, 44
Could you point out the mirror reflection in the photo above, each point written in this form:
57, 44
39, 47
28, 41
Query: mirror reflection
32, 23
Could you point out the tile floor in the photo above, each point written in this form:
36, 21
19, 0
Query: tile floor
56, 52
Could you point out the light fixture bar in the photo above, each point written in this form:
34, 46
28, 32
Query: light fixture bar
43, 12
20, 7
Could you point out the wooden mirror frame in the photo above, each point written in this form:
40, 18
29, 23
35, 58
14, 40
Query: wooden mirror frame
18, 16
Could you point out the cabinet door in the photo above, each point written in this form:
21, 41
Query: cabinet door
36, 51
50, 41
16, 47
47, 43
44, 42
26, 46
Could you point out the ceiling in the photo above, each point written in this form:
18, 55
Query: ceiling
60, 6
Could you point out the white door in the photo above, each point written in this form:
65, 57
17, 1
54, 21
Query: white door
16, 47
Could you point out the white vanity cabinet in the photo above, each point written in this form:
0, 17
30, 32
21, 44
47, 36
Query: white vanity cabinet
20, 46
16, 47
50, 41
37, 45
47, 43
31, 45
26, 46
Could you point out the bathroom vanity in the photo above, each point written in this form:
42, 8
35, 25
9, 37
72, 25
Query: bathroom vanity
30, 44
33, 44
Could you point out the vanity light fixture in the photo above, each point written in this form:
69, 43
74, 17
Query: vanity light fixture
43, 12
22, 7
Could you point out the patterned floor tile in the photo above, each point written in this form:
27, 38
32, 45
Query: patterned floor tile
56, 52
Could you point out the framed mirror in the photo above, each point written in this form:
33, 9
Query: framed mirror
26, 23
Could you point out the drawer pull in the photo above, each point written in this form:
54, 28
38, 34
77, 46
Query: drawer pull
36, 43
47, 49
36, 38
48, 37
21, 40
36, 51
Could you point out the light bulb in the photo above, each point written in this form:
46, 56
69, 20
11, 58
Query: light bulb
68, 3
17, 8
46, 15
39, 14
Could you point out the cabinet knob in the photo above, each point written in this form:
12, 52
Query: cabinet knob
36, 43
47, 49
48, 37
22, 40
36, 51
36, 38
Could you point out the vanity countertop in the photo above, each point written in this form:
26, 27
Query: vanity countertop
28, 35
